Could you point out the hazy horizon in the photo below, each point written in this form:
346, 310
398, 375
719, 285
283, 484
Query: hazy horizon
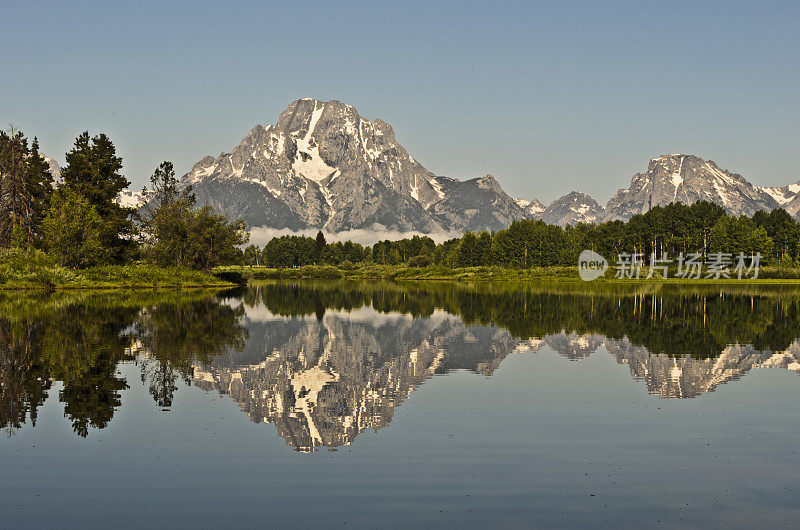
548, 98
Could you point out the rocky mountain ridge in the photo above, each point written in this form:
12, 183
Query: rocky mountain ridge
323, 166
668, 179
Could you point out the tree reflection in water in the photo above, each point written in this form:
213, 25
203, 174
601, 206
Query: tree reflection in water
79, 340
324, 361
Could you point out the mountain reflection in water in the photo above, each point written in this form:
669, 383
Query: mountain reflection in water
323, 361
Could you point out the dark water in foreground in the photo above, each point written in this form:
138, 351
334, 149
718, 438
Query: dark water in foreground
363, 404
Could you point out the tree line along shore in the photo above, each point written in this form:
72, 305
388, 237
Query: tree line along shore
73, 233
533, 249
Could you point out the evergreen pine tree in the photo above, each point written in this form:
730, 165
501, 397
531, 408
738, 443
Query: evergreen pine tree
15, 204
319, 247
40, 189
164, 188
25, 189
93, 170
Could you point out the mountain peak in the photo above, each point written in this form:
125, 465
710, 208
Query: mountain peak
55, 169
322, 165
671, 157
532, 208
573, 208
489, 183
687, 179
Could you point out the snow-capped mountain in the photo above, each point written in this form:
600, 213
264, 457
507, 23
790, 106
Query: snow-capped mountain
667, 376
476, 204
322, 165
672, 178
571, 209
323, 379
787, 197
531, 208
322, 382
784, 194
688, 179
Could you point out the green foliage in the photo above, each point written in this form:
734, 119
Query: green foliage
177, 334
392, 252
740, 234
164, 189
347, 265
73, 231
167, 234
79, 339
319, 247
319, 272
298, 251
31, 268
421, 260
212, 239
93, 171
530, 243
784, 232
663, 232
665, 318
252, 256
25, 189
178, 235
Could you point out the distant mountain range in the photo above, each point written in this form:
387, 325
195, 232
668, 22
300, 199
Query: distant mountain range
323, 166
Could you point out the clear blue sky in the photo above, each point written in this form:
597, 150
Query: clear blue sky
547, 96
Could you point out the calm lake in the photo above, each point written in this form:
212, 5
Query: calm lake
363, 404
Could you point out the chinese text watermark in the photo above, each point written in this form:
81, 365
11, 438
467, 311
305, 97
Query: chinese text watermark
716, 265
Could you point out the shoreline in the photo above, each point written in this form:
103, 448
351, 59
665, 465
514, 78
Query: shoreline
137, 277
136, 287
489, 274
147, 278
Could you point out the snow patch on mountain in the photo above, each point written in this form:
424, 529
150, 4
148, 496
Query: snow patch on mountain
129, 199
531, 208
571, 209
785, 194
308, 161
55, 169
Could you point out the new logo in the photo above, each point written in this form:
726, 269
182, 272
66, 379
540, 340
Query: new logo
591, 265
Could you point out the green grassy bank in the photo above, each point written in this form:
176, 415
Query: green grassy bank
372, 271
33, 270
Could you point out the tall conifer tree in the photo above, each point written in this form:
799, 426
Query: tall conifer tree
94, 170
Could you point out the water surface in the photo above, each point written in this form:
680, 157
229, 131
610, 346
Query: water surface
359, 404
